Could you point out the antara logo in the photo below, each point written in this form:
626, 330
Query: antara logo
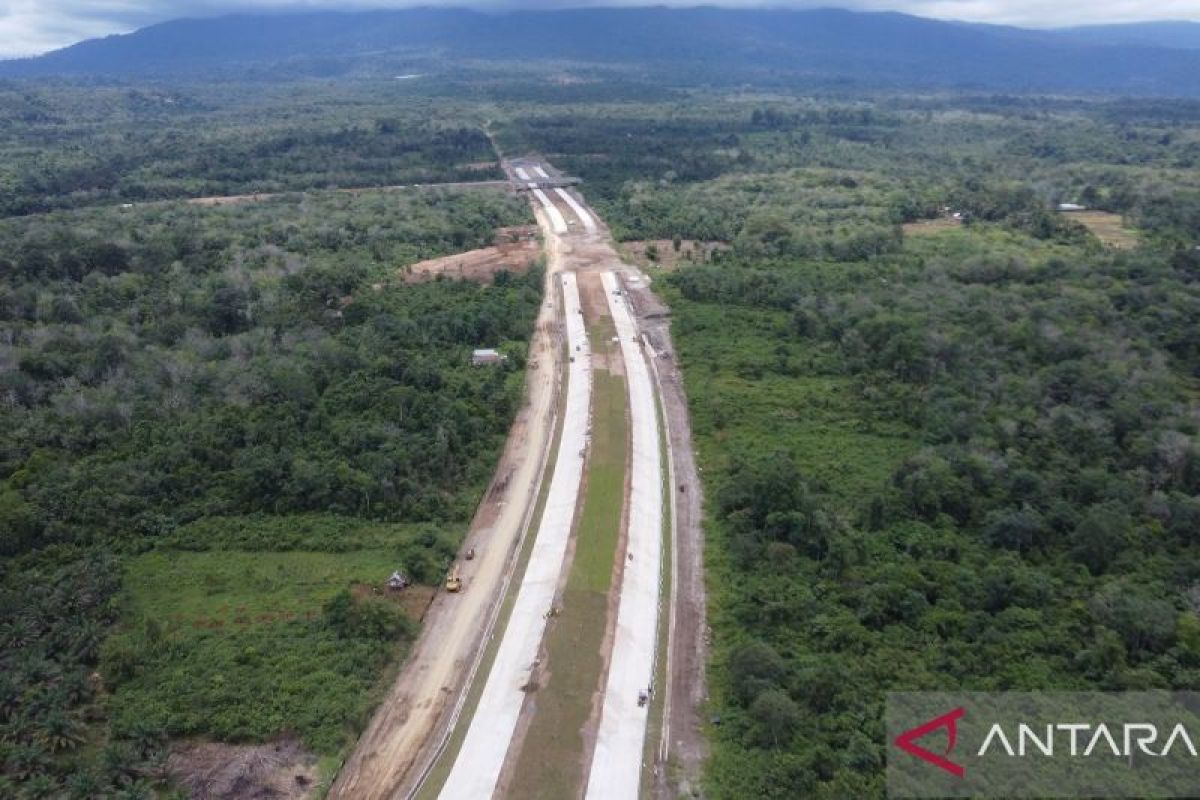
907, 741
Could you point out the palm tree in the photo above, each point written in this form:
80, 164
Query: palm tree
23, 761
38, 787
84, 784
59, 731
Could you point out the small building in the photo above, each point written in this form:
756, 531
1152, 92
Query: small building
486, 356
1071, 207
397, 581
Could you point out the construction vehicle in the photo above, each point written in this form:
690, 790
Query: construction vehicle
453, 581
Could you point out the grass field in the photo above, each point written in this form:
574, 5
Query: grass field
1108, 228
745, 387
927, 226
230, 588
239, 646
551, 760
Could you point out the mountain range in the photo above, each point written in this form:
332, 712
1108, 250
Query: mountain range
707, 45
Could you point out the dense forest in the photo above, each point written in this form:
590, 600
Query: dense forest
215, 421
963, 455
66, 146
939, 471
949, 436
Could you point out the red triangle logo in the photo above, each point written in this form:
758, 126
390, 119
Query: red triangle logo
907, 741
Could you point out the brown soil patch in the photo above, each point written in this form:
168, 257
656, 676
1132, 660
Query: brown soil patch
1107, 227
513, 253
281, 770
667, 257
413, 600
925, 227
591, 296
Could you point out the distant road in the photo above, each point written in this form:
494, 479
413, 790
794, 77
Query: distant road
236, 199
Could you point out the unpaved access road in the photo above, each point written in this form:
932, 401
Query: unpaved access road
406, 730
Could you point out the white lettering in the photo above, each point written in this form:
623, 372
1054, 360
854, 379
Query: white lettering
1073, 728
995, 733
1181, 733
1046, 746
1148, 737
1142, 735
1102, 732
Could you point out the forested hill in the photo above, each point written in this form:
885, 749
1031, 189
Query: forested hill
696, 44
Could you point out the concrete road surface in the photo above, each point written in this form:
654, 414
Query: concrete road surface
477, 768
589, 222
617, 763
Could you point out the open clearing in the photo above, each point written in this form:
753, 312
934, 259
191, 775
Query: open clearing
1109, 228
925, 227
279, 770
665, 255
257, 197
515, 251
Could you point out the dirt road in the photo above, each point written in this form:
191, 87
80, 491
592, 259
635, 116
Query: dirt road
406, 730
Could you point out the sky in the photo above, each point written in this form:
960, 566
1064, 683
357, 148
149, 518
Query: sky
29, 27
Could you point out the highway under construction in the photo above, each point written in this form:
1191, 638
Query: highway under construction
568, 659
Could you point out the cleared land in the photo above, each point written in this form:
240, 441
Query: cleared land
664, 252
1107, 227
239, 199
925, 227
515, 251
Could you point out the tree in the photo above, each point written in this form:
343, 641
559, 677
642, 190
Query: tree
226, 311
1019, 530
1144, 621
776, 717
754, 667
1101, 536
19, 524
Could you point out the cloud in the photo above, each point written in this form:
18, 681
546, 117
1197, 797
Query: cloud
28, 27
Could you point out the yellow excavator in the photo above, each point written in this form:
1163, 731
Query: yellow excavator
453, 581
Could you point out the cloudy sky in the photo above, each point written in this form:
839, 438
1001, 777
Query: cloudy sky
34, 26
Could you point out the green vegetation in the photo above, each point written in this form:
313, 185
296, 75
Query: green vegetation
967, 459
123, 144
177, 362
251, 400
241, 646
